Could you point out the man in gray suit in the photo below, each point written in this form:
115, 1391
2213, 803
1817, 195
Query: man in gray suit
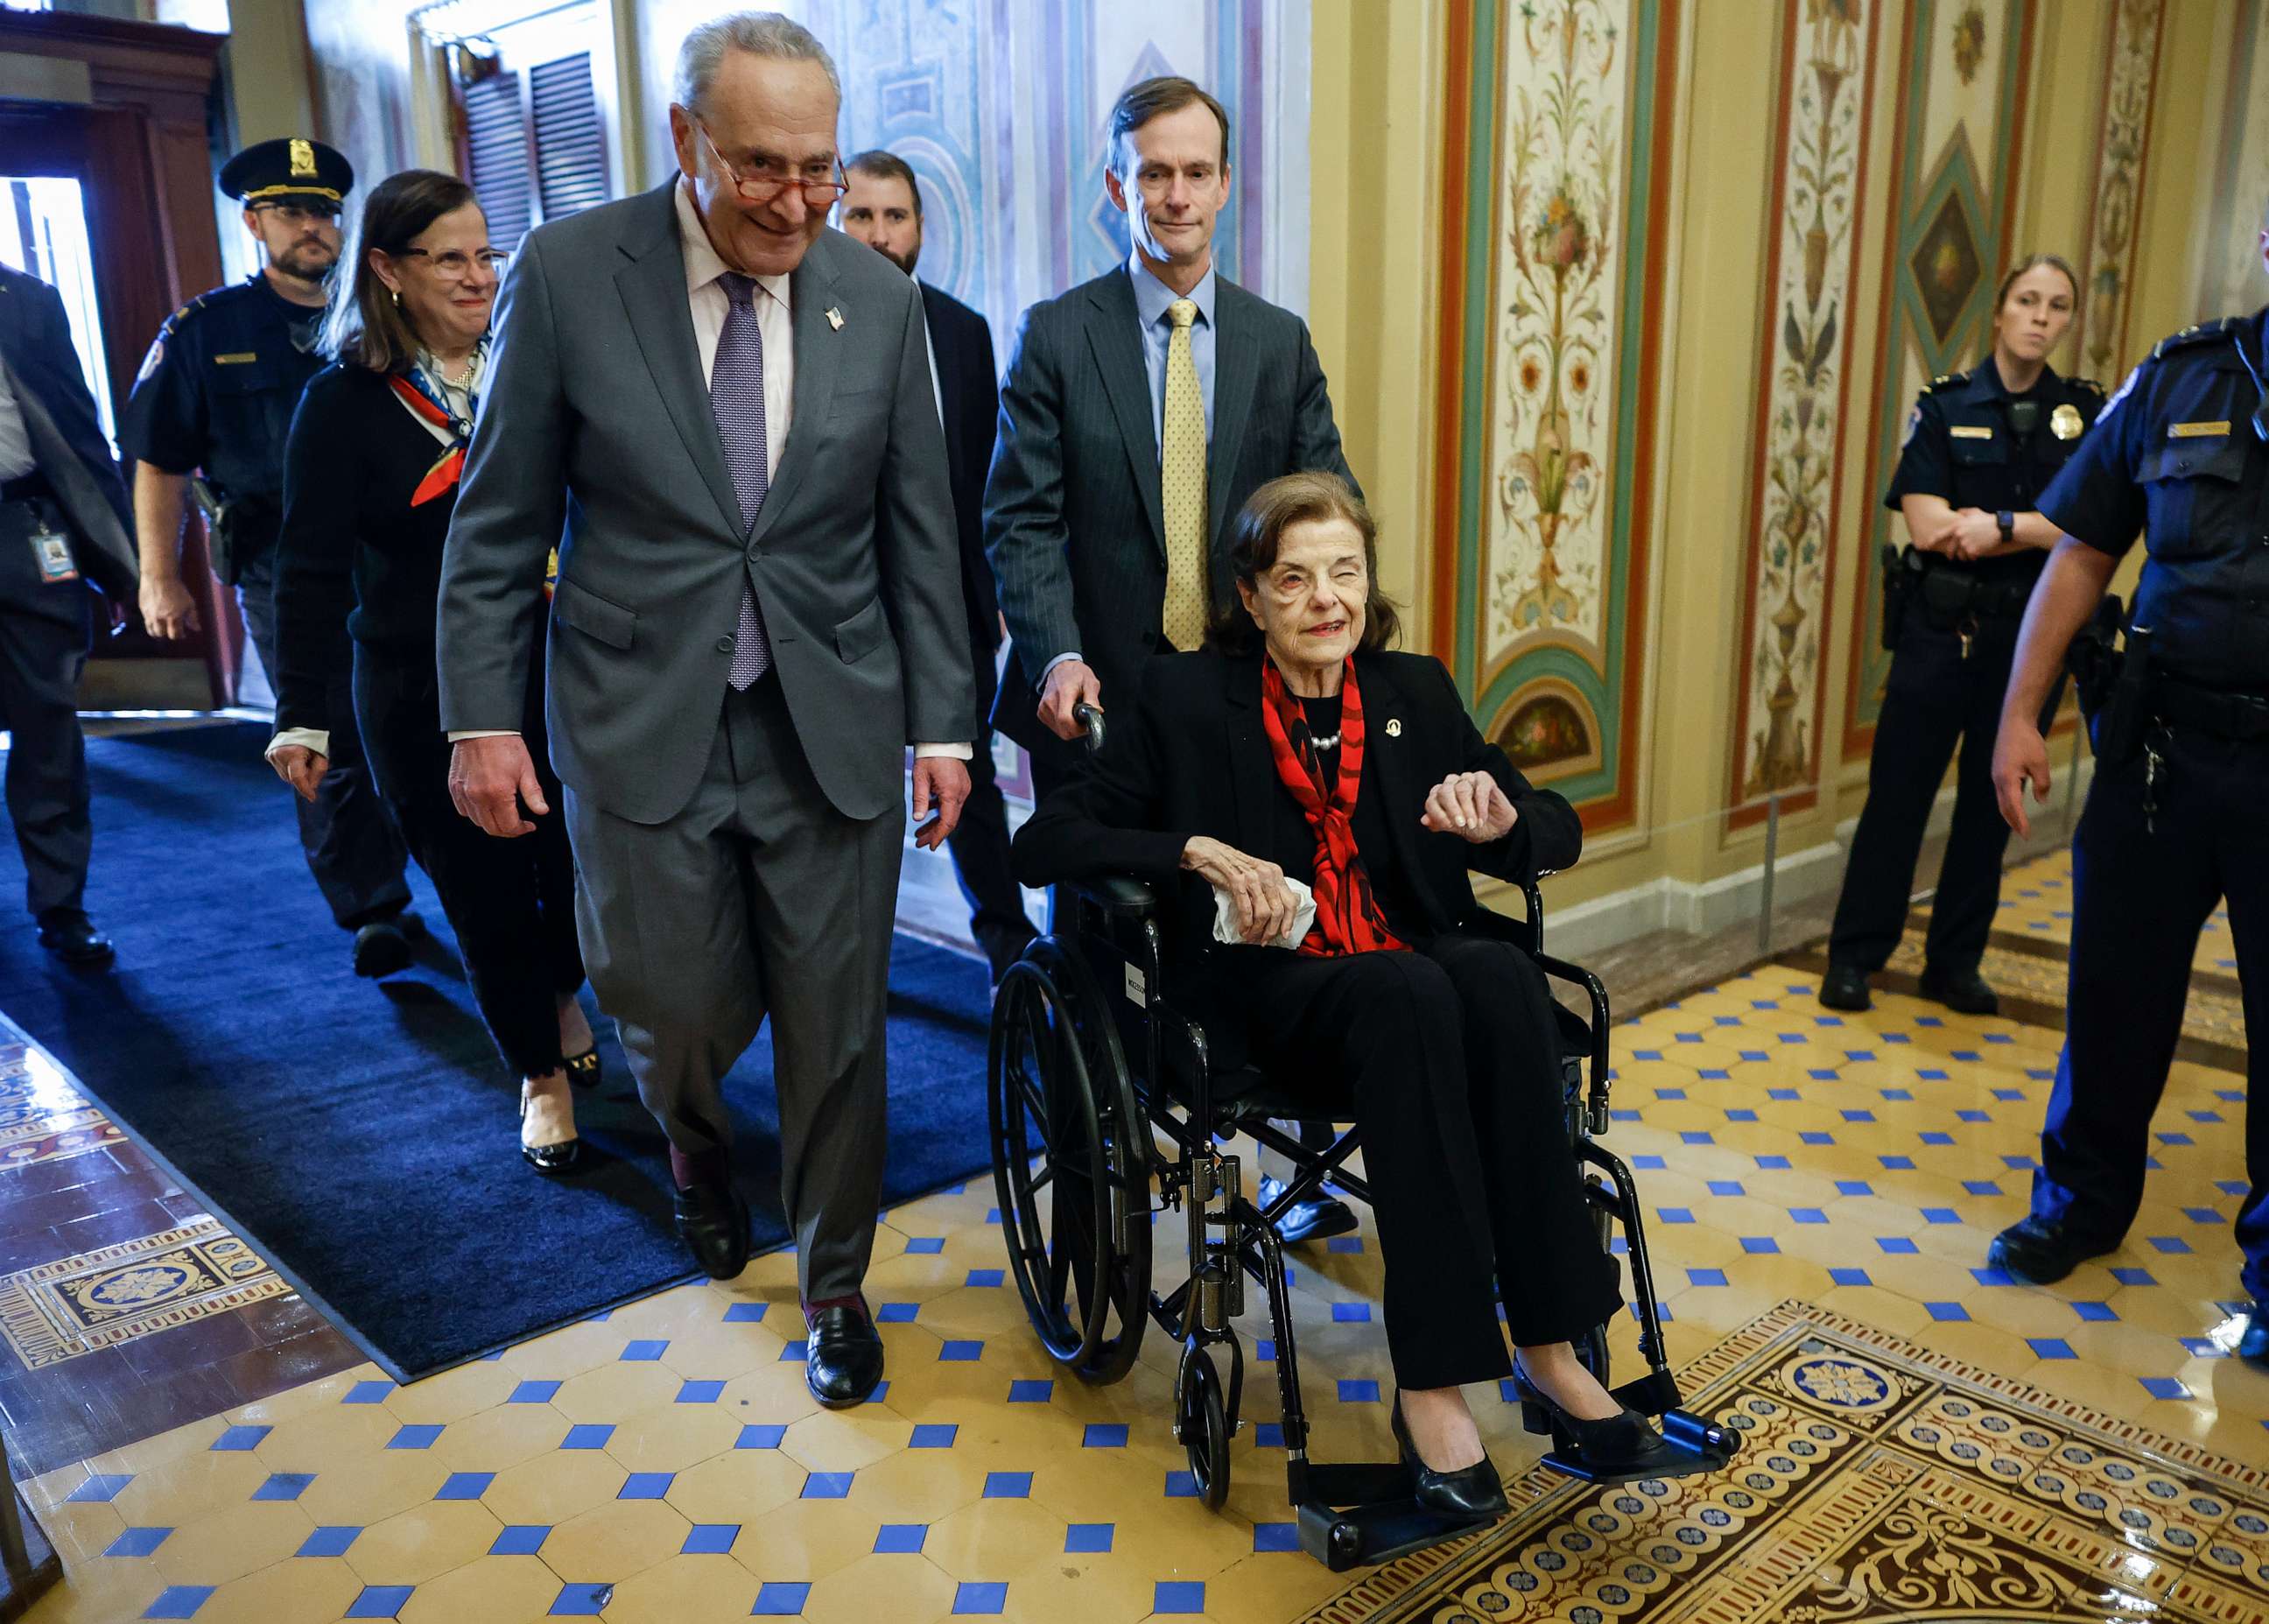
1140, 411
720, 412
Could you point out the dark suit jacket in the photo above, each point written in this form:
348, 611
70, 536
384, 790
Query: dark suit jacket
969, 389
1074, 521
66, 436
1196, 762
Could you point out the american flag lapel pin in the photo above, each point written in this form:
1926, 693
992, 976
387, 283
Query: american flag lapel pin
834, 318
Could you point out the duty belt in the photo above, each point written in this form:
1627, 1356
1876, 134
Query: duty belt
2242, 717
1952, 596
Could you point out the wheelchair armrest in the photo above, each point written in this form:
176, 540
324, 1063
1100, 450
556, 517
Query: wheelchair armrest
1117, 893
1597, 993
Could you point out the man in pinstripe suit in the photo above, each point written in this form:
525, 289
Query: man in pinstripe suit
1108, 509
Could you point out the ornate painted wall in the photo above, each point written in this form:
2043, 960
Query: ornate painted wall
1556, 158
2131, 74
2232, 280
1964, 73
1826, 81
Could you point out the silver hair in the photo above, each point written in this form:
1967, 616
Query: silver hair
761, 33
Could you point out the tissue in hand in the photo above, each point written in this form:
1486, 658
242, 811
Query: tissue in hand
1304, 915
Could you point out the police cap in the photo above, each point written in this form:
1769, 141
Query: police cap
289, 169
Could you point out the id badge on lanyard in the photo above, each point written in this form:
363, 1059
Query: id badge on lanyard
53, 551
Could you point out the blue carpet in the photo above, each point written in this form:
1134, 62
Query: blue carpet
362, 1136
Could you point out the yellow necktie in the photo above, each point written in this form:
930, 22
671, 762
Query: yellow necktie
1182, 485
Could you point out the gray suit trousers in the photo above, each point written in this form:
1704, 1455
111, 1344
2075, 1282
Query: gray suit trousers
758, 897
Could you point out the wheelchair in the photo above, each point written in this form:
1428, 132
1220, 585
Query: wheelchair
1090, 1067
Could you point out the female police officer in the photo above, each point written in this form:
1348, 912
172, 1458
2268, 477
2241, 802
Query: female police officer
1980, 448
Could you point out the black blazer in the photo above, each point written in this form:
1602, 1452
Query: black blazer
66, 436
969, 389
1196, 762
1074, 521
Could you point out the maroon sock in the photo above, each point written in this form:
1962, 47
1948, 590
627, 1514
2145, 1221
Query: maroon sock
690, 1168
856, 1303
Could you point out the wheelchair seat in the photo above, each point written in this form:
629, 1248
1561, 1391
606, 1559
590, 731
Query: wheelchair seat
1091, 1065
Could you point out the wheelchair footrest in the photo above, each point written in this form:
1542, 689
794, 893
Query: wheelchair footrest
1697, 1446
1359, 1514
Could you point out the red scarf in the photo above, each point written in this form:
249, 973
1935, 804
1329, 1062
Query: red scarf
1348, 916
442, 478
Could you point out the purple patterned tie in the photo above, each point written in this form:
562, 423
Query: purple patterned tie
737, 396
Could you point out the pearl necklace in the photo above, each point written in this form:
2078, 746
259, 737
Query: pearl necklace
1324, 741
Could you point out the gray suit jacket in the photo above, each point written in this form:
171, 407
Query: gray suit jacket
1074, 522
597, 435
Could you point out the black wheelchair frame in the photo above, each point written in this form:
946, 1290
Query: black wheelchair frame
1067, 1114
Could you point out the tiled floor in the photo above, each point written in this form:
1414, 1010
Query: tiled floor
665, 1462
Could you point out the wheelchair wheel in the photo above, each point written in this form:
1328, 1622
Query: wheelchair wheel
1071, 1164
1202, 1416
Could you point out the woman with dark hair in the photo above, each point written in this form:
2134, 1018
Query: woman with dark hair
1980, 448
1296, 746
370, 480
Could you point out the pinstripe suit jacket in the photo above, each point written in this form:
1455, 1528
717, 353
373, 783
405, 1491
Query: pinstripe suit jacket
1074, 524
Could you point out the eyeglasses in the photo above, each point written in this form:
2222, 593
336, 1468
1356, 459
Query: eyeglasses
769, 184
454, 264
296, 215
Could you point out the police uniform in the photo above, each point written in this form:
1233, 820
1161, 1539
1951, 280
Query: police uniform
1976, 444
217, 394
2176, 826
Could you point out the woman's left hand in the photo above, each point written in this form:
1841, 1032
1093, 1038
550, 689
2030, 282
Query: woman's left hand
1471, 805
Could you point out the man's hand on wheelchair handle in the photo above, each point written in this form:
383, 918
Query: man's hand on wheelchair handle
1071, 684
1265, 904
1472, 806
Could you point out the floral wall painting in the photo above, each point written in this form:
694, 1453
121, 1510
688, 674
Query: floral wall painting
1969, 44
2130, 82
1947, 267
1827, 63
1556, 158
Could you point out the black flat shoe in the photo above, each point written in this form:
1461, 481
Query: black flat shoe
380, 948
842, 1355
1317, 1218
69, 934
2041, 1252
583, 1069
1615, 1449
713, 1220
1474, 1492
2253, 1346
1963, 991
1845, 986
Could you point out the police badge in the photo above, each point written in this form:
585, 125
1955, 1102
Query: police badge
2065, 423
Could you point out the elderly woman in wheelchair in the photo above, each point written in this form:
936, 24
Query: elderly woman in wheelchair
1296, 747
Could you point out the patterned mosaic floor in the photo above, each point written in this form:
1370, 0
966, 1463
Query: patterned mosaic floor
1878, 1480
664, 1462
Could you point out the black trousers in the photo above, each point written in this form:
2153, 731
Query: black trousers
1935, 698
2140, 896
980, 845
351, 844
1450, 1056
43, 642
512, 903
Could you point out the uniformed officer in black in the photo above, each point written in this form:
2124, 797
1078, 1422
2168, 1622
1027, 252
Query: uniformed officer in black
2175, 820
217, 394
1980, 448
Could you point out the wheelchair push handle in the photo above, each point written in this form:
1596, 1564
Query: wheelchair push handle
1091, 717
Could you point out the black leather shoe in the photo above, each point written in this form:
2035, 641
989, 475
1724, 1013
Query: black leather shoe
1474, 1492
380, 948
2041, 1252
842, 1354
583, 1069
2253, 1346
1317, 1218
1963, 991
713, 1220
69, 934
1617, 1449
1845, 986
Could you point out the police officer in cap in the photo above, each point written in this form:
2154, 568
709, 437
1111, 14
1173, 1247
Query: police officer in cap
2174, 820
1980, 448
214, 399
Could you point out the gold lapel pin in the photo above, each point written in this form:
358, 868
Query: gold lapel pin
1394, 726
835, 318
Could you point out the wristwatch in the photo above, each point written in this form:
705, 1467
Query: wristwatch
2007, 521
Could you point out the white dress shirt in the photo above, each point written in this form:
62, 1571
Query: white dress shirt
776, 331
